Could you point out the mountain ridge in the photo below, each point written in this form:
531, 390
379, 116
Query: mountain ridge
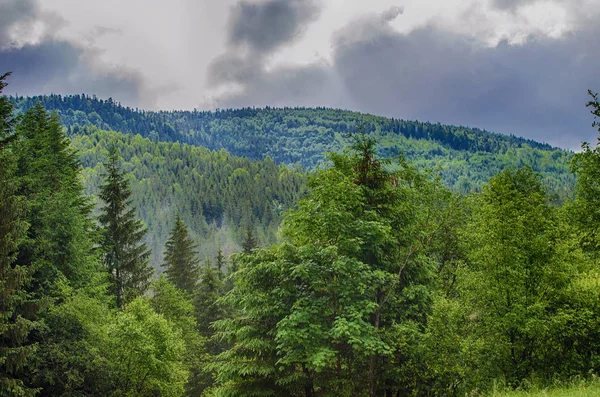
465, 158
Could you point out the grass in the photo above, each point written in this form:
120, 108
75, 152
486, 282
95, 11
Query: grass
589, 388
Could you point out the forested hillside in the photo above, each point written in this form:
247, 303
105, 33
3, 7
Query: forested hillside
218, 195
464, 157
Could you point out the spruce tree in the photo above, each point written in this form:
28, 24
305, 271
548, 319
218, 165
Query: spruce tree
125, 256
221, 262
16, 309
249, 241
181, 261
59, 241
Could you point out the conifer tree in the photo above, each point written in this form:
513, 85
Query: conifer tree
249, 241
181, 260
126, 257
59, 243
55, 257
221, 262
15, 322
206, 296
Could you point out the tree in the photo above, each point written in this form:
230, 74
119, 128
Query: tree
146, 353
249, 241
177, 308
586, 164
125, 256
220, 262
181, 262
58, 251
17, 311
59, 240
335, 305
516, 284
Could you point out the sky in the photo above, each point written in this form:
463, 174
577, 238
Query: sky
519, 67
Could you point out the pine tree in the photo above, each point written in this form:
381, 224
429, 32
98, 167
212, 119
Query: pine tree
15, 320
249, 241
59, 241
126, 257
221, 262
181, 261
55, 257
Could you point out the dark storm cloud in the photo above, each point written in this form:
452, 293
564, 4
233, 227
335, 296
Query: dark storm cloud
536, 89
52, 65
267, 25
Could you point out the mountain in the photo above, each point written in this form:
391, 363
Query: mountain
464, 158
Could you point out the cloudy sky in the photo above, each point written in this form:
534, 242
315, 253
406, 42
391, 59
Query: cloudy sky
510, 66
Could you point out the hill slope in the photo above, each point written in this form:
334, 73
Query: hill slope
464, 157
217, 195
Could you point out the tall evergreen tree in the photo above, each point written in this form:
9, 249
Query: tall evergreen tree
15, 318
125, 256
181, 260
58, 251
59, 242
220, 262
249, 241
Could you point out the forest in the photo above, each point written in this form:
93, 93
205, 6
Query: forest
139, 263
465, 158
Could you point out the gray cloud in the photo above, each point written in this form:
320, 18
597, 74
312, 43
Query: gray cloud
267, 25
59, 67
15, 14
308, 86
255, 31
537, 89
53, 65
511, 4
392, 13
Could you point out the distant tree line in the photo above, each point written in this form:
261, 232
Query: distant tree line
464, 157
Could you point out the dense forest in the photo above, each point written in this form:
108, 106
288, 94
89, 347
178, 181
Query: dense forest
219, 196
380, 280
465, 158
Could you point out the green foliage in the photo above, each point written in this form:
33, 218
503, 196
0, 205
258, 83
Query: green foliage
518, 301
575, 388
329, 309
17, 314
249, 241
125, 256
584, 211
70, 361
146, 353
55, 255
386, 282
59, 243
178, 309
181, 260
